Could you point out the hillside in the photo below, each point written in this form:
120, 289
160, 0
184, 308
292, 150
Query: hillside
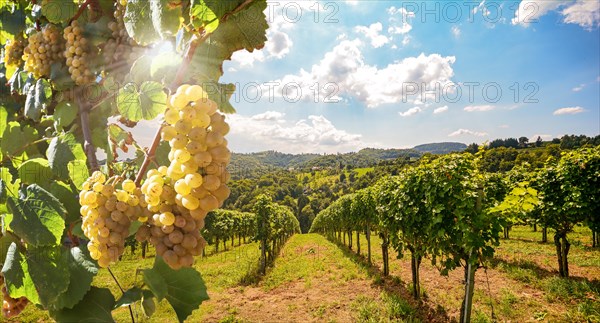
441, 147
257, 164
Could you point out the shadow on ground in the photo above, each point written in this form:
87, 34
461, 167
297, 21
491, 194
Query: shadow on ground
393, 286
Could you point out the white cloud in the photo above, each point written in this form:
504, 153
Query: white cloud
406, 39
246, 59
345, 70
278, 42
479, 108
268, 116
543, 136
440, 110
585, 13
578, 88
270, 130
569, 110
504, 126
461, 132
410, 112
531, 10
400, 21
455, 31
373, 32
352, 2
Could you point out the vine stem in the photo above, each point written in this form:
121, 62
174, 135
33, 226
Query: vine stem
122, 292
80, 10
88, 146
176, 82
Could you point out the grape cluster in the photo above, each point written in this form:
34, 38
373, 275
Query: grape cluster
11, 307
77, 54
174, 231
13, 51
194, 183
199, 155
107, 213
43, 49
120, 48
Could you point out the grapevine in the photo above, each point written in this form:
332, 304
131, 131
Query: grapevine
81, 73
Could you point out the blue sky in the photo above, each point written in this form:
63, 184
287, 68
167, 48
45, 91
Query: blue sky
341, 76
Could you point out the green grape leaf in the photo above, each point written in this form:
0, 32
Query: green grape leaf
10, 188
78, 172
139, 71
60, 77
202, 16
69, 199
95, 307
207, 62
5, 243
97, 32
148, 305
129, 297
164, 66
37, 216
98, 122
49, 271
36, 100
17, 279
35, 171
14, 139
184, 289
82, 270
220, 8
221, 94
206, 13
3, 120
145, 103
28, 82
12, 20
58, 11
64, 114
165, 17
62, 150
244, 30
162, 153
138, 22
3, 191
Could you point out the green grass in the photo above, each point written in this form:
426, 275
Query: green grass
219, 271
317, 263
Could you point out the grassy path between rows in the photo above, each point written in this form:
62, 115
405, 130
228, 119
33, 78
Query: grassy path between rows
316, 280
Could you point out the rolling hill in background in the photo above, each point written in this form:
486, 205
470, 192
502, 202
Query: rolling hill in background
259, 163
441, 147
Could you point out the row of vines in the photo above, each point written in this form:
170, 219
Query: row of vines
447, 211
76, 77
